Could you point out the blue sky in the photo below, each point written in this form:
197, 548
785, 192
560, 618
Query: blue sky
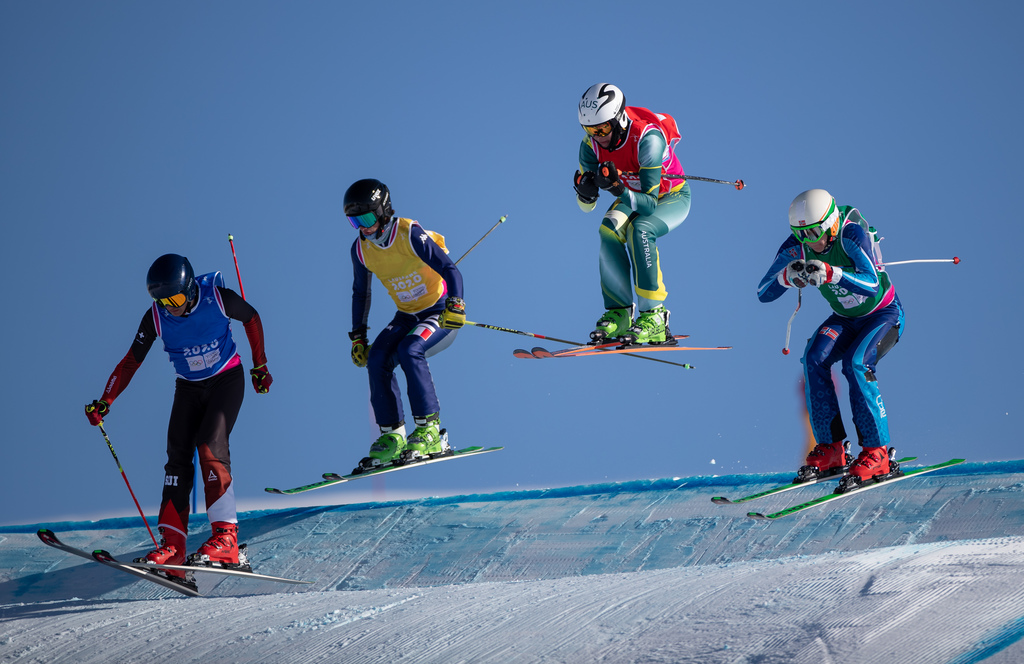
130, 130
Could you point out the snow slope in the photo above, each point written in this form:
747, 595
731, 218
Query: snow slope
927, 570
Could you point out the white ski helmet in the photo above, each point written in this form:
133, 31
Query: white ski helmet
602, 102
812, 214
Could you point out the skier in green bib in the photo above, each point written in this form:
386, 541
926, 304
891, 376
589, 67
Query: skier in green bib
831, 248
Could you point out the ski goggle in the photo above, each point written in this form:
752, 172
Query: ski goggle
814, 233
173, 301
600, 130
362, 220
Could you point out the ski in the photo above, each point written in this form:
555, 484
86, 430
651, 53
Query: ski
331, 479
390, 468
243, 570
184, 587
914, 472
782, 488
540, 353
633, 350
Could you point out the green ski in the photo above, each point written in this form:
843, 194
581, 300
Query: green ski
914, 472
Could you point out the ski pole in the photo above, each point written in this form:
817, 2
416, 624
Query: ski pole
500, 221
231, 241
954, 260
739, 184
118, 462
789, 325
571, 343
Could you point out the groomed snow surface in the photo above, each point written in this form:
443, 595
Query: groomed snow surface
926, 570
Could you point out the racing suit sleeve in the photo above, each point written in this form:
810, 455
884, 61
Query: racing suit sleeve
362, 286
132, 360
770, 289
238, 309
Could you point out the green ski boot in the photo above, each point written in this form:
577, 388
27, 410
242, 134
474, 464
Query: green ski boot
385, 450
613, 324
651, 327
427, 440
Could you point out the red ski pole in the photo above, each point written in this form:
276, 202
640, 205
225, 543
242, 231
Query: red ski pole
127, 484
231, 241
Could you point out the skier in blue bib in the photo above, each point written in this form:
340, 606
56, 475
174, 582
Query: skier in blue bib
192, 316
426, 286
831, 248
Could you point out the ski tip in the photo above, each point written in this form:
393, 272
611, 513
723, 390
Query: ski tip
758, 516
524, 354
47, 536
721, 500
541, 352
273, 490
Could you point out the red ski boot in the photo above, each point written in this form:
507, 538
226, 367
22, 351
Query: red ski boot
872, 464
170, 552
221, 550
825, 460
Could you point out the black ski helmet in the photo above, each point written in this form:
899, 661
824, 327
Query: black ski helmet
171, 275
368, 197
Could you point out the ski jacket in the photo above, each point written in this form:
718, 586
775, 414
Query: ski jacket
413, 265
226, 302
864, 287
643, 159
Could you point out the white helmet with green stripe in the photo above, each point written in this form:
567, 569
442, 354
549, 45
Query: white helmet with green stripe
812, 214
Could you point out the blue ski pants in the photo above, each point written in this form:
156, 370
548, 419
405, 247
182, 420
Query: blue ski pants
407, 341
859, 343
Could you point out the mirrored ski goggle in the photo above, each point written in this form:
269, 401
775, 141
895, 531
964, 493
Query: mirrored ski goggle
600, 130
173, 301
362, 220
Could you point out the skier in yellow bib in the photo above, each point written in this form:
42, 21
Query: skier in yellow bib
426, 286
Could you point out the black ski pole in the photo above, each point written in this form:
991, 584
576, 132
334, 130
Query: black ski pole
571, 343
500, 221
739, 184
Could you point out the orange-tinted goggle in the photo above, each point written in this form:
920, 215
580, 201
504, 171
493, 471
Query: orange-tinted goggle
174, 300
600, 130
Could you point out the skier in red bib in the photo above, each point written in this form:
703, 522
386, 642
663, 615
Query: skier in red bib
191, 314
628, 151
